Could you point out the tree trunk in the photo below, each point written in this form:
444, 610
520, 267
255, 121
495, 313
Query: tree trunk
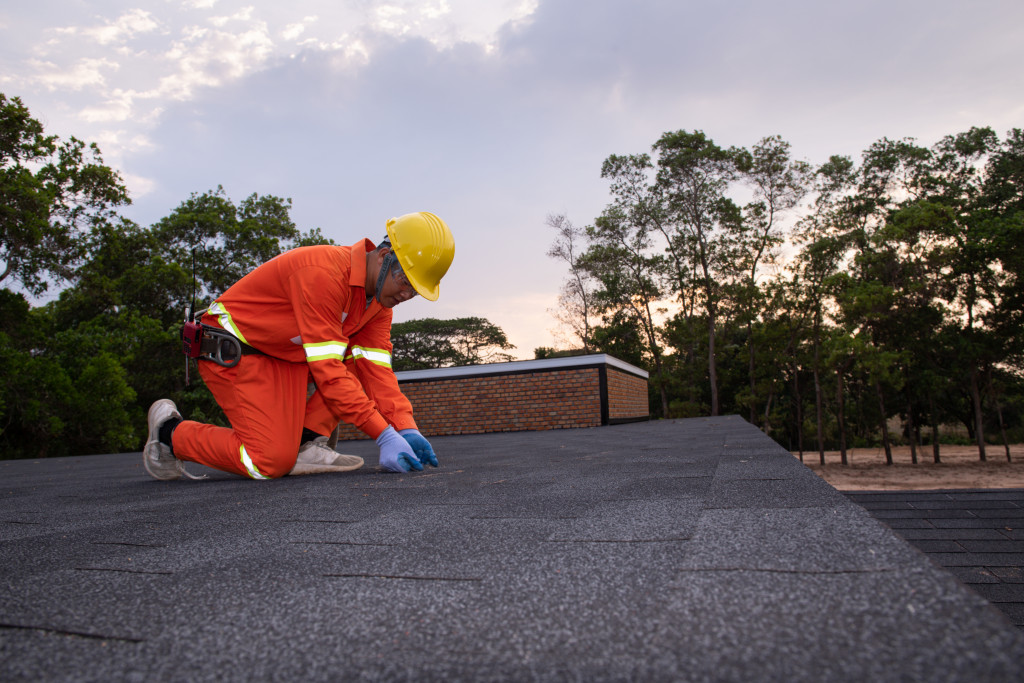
691, 363
799, 412
753, 383
661, 379
910, 432
935, 429
646, 319
712, 371
841, 416
885, 427
1002, 430
817, 403
979, 429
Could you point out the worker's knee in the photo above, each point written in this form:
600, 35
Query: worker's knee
269, 462
276, 470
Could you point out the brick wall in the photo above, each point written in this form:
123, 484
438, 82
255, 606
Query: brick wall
557, 393
627, 396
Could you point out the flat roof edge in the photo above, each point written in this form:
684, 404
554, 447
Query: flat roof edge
542, 365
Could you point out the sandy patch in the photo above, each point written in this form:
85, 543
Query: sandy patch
960, 469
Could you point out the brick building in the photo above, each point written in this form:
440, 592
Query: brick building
553, 393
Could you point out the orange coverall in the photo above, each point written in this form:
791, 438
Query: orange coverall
306, 310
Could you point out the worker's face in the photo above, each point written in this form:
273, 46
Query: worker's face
396, 289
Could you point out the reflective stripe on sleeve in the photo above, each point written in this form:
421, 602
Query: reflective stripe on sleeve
376, 356
250, 467
324, 351
224, 318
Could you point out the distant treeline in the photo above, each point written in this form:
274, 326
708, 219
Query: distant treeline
833, 299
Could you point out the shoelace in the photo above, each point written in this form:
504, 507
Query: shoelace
317, 452
181, 468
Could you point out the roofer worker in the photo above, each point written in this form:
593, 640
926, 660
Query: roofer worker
319, 314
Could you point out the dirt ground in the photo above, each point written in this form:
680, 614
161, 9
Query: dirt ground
959, 469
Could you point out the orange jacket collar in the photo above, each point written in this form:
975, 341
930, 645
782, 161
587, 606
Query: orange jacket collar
359, 251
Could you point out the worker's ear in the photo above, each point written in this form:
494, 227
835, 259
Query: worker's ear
379, 257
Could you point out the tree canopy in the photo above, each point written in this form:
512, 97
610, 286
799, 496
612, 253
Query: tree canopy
52, 194
749, 281
429, 343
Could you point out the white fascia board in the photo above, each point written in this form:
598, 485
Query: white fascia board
542, 365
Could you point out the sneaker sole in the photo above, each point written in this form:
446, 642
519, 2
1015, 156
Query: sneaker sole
152, 468
343, 463
152, 464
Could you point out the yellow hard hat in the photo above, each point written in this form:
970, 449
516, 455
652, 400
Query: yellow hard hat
424, 247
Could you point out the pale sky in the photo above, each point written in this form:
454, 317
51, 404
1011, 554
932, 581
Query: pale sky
490, 113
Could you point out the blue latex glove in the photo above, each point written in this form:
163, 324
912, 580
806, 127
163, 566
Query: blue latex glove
396, 455
420, 446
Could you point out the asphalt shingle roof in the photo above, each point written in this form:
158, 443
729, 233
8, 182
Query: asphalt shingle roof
976, 534
671, 550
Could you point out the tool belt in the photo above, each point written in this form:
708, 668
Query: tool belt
223, 348
205, 342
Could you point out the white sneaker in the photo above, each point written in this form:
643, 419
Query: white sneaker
157, 457
317, 456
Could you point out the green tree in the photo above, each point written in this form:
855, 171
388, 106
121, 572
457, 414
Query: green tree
65, 391
622, 259
905, 296
621, 263
52, 193
694, 175
822, 238
1003, 199
428, 343
779, 183
84, 368
963, 251
886, 291
619, 336
230, 240
576, 300
127, 269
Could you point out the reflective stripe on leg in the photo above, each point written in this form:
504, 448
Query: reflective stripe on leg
250, 467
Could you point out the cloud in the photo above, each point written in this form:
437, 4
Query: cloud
293, 31
85, 73
126, 140
441, 9
208, 57
141, 186
117, 107
128, 68
244, 15
125, 27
